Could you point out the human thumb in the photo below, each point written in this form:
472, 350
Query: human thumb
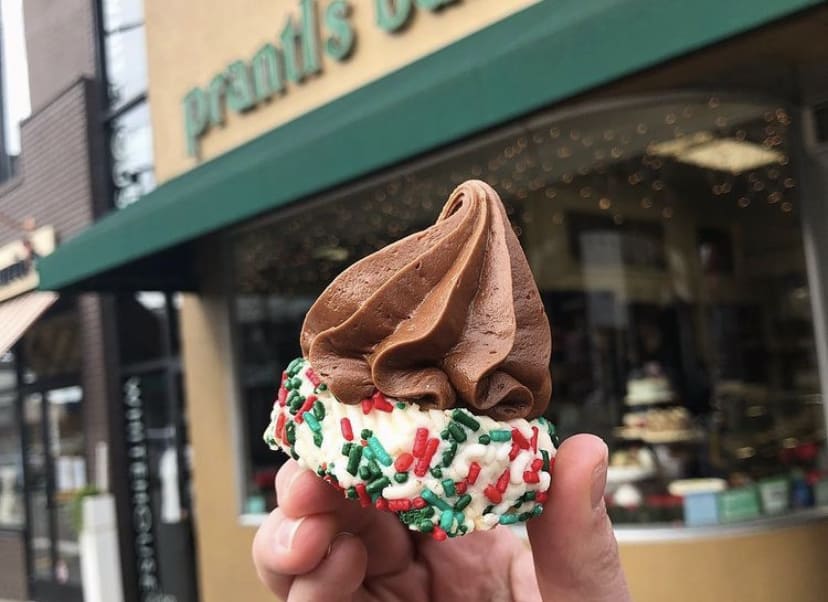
573, 545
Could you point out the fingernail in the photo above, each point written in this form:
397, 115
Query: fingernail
338, 539
599, 481
286, 533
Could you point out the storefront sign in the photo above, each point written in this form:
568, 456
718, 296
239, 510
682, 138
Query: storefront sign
18, 261
138, 476
296, 56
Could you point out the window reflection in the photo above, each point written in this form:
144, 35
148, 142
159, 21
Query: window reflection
132, 158
125, 48
666, 243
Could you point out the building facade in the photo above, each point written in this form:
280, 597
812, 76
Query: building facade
664, 165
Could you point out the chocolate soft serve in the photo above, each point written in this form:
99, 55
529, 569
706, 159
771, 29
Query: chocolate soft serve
450, 316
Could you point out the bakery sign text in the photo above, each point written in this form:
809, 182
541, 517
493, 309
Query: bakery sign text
320, 28
18, 262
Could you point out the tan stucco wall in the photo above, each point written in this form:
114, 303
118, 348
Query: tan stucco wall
190, 41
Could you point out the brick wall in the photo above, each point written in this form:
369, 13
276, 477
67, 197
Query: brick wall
60, 45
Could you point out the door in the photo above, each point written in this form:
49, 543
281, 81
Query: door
55, 471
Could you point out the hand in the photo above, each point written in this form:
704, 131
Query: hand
319, 547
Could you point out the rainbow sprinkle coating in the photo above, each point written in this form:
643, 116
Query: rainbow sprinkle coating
443, 472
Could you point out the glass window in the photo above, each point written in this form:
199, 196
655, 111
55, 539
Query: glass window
142, 327
126, 51
51, 347
14, 84
11, 469
666, 241
132, 158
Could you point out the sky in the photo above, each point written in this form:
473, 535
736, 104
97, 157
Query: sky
15, 74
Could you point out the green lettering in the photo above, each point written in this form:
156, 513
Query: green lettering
267, 76
310, 39
215, 99
290, 51
195, 118
340, 42
433, 5
392, 15
240, 88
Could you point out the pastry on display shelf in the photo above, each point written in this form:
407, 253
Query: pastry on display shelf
630, 465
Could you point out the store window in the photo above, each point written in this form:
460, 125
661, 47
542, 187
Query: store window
11, 460
666, 239
15, 104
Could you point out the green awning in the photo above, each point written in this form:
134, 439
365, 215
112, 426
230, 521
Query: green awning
547, 52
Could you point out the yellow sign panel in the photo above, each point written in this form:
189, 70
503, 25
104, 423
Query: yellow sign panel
18, 262
239, 69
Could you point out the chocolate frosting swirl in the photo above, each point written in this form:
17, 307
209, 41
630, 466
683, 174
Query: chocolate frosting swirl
449, 316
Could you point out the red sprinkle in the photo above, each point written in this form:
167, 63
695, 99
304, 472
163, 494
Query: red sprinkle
493, 494
534, 441
518, 438
364, 500
438, 534
541, 497
474, 471
381, 403
399, 505
503, 481
312, 377
537, 464
460, 487
404, 462
347, 431
280, 426
366, 406
551, 464
284, 377
381, 504
419, 503
420, 442
282, 396
305, 407
531, 477
513, 453
425, 461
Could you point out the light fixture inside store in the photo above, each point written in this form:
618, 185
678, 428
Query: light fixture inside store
702, 149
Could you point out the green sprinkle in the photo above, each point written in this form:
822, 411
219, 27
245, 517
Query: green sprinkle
294, 383
446, 520
294, 366
425, 526
462, 502
524, 516
501, 435
319, 410
457, 433
432, 499
368, 452
508, 519
465, 419
352, 493
488, 509
377, 485
317, 439
484, 439
401, 477
290, 432
293, 454
401, 405
374, 468
320, 387
354, 456
366, 434
379, 451
297, 402
346, 448
458, 516
448, 455
320, 471
313, 423
444, 434
365, 472
537, 510
448, 487
529, 496
545, 456
463, 529
437, 472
